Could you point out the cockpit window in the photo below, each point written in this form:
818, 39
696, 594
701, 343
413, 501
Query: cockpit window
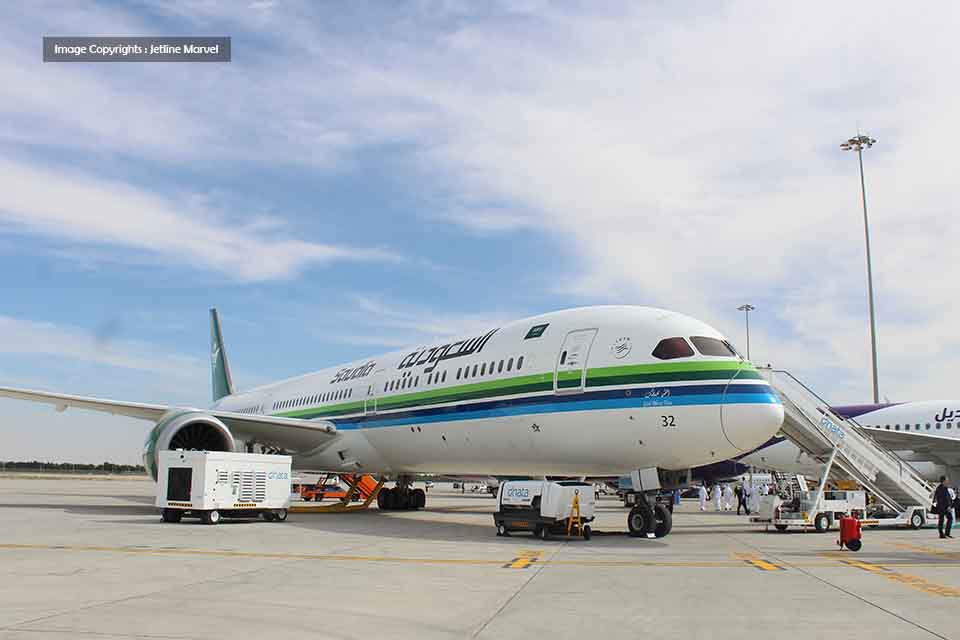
670, 348
712, 347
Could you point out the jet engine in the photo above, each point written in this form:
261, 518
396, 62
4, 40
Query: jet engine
185, 429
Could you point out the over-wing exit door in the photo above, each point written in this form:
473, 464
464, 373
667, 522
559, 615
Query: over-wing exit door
570, 374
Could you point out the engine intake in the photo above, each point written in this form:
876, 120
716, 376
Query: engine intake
192, 430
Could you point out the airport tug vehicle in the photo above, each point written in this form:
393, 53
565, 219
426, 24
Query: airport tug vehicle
212, 485
545, 508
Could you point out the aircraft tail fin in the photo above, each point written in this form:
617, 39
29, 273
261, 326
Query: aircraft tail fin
219, 367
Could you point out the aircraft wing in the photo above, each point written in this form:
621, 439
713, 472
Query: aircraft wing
935, 448
290, 433
61, 401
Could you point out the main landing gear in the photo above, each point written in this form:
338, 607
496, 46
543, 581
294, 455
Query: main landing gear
402, 497
648, 518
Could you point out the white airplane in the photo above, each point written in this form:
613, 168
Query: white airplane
582, 392
925, 434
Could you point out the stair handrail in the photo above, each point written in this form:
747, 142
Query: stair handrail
903, 468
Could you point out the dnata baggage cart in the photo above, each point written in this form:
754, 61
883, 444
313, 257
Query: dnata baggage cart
805, 511
211, 485
544, 507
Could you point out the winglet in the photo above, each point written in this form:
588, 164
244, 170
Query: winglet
219, 367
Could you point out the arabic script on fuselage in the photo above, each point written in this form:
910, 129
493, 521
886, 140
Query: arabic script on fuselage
433, 356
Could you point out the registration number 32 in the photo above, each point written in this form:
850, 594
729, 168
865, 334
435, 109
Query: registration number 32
667, 421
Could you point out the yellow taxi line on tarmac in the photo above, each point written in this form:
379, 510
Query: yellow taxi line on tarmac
522, 555
914, 582
941, 553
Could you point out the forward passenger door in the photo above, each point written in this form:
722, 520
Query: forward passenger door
570, 373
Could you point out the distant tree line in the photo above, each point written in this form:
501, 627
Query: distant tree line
71, 467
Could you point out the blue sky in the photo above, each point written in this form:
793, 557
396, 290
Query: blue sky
368, 175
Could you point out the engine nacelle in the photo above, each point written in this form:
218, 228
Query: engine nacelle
185, 429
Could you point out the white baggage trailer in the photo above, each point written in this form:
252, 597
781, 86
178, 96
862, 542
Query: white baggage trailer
211, 485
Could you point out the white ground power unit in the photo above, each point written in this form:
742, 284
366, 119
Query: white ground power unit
211, 485
542, 507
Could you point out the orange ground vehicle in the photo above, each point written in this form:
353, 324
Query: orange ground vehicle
332, 486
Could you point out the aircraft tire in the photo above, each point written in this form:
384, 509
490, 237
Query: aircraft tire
418, 499
640, 520
663, 521
390, 500
382, 499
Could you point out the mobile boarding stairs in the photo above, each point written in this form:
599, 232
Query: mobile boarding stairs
849, 453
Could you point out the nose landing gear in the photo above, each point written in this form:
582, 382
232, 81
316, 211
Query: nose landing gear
649, 519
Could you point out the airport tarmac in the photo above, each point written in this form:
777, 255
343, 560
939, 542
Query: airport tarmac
90, 558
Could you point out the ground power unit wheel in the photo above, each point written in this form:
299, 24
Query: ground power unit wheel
171, 515
280, 515
268, 516
211, 517
780, 527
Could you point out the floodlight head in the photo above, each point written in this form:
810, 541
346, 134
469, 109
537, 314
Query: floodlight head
858, 143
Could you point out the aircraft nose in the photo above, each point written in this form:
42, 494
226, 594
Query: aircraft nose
749, 420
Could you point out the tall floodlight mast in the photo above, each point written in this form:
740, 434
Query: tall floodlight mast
858, 144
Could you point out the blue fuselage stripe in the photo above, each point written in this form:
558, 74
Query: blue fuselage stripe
669, 396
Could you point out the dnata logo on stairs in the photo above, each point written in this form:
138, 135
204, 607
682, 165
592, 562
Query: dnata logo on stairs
278, 475
830, 426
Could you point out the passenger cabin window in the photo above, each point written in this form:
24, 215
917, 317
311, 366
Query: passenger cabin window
712, 347
670, 348
443, 378
500, 367
519, 362
509, 364
483, 369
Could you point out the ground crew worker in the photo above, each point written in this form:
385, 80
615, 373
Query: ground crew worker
703, 497
728, 498
943, 506
717, 496
746, 495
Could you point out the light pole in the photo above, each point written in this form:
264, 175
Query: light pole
747, 308
857, 144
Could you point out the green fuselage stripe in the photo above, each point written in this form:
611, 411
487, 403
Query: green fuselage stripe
540, 382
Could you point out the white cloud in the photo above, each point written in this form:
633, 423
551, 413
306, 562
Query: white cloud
681, 157
80, 208
693, 162
378, 322
27, 337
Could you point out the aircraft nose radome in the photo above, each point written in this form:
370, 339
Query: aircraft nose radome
747, 426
